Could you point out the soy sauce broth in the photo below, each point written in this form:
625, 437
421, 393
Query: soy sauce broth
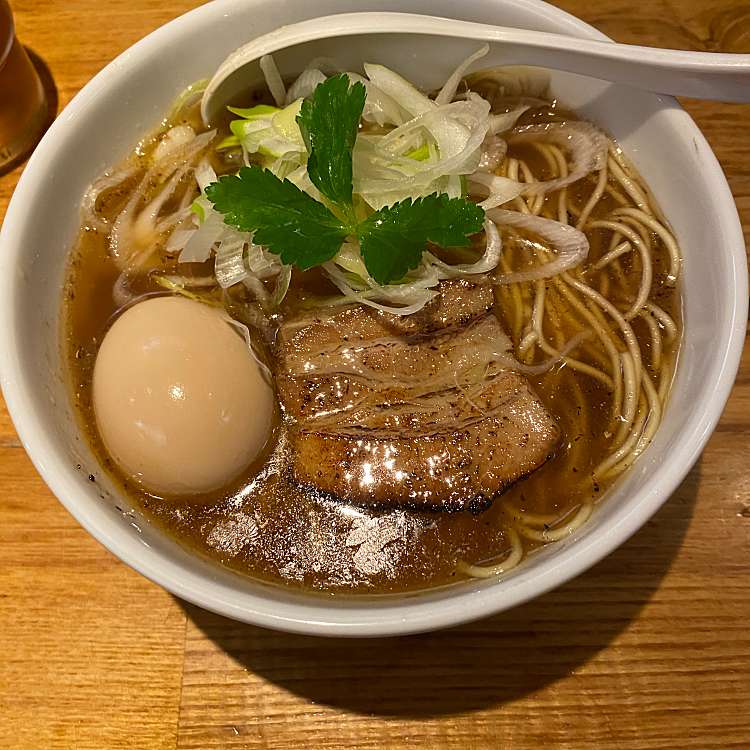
265, 526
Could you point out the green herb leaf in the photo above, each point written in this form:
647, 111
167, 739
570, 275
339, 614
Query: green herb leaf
283, 218
305, 232
329, 123
393, 239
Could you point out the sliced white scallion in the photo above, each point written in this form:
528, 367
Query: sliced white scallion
273, 79
408, 96
499, 190
448, 92
421, 297
204, 175
304, 85
177, 240
179, 135
198, 247
229, 265
379, 107
383, 172
507, 120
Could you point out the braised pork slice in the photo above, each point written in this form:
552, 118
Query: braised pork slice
420, 410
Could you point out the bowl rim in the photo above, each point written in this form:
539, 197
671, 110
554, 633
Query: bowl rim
314, 617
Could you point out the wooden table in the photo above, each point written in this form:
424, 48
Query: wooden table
650, 649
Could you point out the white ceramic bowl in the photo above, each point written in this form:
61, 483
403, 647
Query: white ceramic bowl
129, 97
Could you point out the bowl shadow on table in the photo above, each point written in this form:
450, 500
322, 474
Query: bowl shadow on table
490, 662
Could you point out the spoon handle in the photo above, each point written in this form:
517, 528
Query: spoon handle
701, 75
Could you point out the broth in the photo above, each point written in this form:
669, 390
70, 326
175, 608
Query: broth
266, 526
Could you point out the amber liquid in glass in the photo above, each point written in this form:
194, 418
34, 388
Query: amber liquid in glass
23, 109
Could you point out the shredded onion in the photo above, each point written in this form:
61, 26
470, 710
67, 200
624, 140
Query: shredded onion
499, 190
89, 214
179, 135
548, 364
421, 297
494, 150
487, 262
448, 92
505, 121
586, 144
570, 245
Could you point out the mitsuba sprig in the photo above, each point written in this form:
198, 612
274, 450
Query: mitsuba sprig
305, 232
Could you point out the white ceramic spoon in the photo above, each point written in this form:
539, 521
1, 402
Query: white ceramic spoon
703, 75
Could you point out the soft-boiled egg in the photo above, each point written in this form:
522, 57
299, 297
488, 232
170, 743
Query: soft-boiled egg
180, 402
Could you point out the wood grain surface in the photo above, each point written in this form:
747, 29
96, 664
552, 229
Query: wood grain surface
650, 649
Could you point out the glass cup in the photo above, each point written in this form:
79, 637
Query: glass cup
23, 105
